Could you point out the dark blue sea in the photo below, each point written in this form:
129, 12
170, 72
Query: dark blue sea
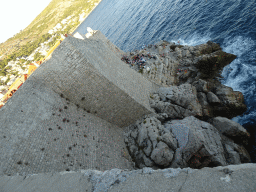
231, 23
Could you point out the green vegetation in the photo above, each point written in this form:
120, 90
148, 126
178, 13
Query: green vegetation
54, 13
2, 73
27, 40
38, 56
22, 60
25, 50
67, 29
16, 73
52, 43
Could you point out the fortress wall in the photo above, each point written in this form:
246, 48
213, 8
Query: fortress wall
107, 87
35, 138
97, 35
47, 126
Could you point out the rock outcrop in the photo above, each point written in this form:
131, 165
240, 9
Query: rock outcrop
192, 127
173, 65
189, 142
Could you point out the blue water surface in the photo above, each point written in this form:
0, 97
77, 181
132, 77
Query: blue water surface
231, 23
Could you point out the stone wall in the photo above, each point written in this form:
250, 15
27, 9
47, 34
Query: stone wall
112, 90
69, 113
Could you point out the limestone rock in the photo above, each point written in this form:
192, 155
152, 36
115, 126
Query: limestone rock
231, 129
195, 100
177, 102
212, 98
182, 143
232, 102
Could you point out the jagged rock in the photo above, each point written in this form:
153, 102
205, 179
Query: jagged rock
212, 98
219, 100
201, 86
183, 143
143, 142
212, 148
234, 153
232, 102
177, 102
191, 62
196, 99
231, 129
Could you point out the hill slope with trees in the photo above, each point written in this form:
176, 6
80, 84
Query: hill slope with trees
36, 33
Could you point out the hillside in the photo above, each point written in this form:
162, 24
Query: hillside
28, 40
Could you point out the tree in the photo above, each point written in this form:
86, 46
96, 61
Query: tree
38, 56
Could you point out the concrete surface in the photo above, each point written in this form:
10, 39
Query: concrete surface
232, 178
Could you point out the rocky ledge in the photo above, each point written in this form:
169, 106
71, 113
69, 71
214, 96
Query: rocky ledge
191, 126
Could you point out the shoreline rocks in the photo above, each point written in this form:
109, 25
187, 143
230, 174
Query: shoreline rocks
192, 127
